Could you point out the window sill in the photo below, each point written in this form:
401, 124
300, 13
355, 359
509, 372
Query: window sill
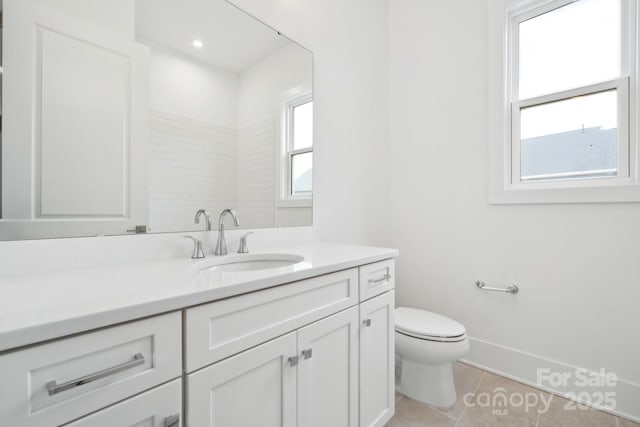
294, 203
601, 194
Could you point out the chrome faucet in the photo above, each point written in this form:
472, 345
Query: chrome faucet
221, 246
242, 247
198, 253
207, 217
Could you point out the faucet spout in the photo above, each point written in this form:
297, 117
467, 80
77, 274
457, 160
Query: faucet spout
221, 245
233, 214
207, 217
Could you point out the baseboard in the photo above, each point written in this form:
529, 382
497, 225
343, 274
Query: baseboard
527, 368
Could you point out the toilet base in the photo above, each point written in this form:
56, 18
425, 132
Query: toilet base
430, 384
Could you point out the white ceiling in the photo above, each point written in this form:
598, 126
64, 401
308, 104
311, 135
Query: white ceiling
232, 39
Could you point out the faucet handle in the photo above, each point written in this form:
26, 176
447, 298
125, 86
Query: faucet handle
242, 248
197, 253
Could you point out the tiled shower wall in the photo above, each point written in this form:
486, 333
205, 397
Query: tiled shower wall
256, 174
198, 165
192, 166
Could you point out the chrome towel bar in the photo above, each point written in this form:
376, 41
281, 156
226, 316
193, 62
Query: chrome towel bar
511, 289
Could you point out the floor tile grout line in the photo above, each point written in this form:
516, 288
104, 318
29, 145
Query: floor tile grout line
443, 413
538, 412
464, 408
426, 405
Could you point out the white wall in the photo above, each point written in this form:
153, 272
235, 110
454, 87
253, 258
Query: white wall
577, 266
186, 87
263, 85
262, 88
348, 40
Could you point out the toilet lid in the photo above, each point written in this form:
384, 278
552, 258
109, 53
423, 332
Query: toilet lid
426, 324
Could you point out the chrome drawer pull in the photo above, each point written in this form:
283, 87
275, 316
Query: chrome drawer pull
366, 322
307, 354
54, 388
382, 279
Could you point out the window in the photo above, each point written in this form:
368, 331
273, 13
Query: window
567, 102
297, 146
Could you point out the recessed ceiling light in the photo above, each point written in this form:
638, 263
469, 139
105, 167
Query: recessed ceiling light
197, 43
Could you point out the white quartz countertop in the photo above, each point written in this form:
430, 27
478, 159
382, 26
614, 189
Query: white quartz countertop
45, 306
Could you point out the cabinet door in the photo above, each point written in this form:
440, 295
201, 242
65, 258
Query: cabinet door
377, 352
160, 407
328, 371
254, 388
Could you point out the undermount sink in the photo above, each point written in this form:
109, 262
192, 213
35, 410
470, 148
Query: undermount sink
248, 262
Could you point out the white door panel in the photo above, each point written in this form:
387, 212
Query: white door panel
75, 126
83, 160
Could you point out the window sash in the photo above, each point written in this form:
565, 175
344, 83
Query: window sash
290, 157
518, 15
622, 86
622, 89
286, 191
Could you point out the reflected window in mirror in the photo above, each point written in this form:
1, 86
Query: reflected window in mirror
297, 148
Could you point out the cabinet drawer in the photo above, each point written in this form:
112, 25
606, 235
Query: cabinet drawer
376, 278
160, 407
223, 328
54, 383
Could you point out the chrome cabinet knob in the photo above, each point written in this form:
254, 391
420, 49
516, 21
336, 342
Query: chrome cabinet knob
172, 421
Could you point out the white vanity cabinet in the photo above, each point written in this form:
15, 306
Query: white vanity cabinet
315, 352
377, 355
254, 388
328, 371
54, 383
318, 352
305, 378
159, 407
223, 328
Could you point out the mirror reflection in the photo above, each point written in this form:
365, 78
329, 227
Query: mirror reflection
131, 115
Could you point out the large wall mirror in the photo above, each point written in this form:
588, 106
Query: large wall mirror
125, 115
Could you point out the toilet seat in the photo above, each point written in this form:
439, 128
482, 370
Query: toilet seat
425, 325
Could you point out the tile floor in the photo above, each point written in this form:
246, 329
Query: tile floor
483, 385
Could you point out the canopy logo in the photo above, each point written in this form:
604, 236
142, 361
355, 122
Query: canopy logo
500, 400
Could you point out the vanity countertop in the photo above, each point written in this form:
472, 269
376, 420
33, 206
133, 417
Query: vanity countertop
45, 306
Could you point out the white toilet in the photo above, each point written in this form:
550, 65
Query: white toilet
426, 344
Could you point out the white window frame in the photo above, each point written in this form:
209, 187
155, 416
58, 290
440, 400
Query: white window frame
504, 112
285, 197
